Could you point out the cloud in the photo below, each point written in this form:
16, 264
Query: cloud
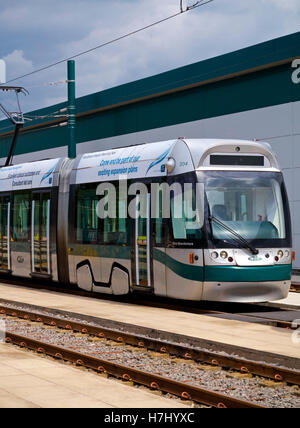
287, 5
17, 63
44, 32
200, 34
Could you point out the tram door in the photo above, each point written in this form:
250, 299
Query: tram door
40, 233
143, 242
5, 233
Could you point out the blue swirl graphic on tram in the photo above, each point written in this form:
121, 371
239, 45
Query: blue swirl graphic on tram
159, 159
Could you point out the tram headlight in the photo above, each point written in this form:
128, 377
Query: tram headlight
280, 254
287, 253
214, 255
224, 254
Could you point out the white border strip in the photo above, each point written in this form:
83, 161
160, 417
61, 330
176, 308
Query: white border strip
8, 236
32, 235
48, 235
148, 240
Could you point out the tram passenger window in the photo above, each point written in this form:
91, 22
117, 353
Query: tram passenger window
185, 218
116, 230
158, 223
21, 217
3, 217
87, 220
45, 201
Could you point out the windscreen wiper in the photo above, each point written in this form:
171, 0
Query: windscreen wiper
238, 237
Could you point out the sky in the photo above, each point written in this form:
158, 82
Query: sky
36, 33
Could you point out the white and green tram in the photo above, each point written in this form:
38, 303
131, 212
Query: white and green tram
232, 242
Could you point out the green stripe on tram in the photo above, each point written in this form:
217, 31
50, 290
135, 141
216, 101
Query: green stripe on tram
225, 273
191, 272
248, 274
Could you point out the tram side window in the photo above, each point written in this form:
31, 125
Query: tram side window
87, 221
185, 219
21, 217
116, 230
158, 222
3, 217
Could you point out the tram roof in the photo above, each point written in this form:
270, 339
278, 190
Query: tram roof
132, 162
150, 160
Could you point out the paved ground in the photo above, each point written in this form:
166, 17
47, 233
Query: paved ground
255, 336
29, 381
292, 302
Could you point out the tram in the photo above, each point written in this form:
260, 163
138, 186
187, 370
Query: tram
191, 219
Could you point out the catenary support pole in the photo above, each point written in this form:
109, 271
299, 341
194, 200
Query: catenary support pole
71, 110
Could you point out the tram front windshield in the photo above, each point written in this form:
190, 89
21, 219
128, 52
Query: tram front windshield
252, 204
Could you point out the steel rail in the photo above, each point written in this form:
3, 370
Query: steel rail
295, 288
150, 380
228, 362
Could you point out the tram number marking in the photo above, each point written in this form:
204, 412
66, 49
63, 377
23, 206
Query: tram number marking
296, 333
255, 259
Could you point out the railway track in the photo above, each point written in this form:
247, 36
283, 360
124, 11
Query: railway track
182, 351
280, 318
126, 373
183, 390
295, 288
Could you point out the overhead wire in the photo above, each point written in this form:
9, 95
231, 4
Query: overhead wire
117, 39
56, 114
